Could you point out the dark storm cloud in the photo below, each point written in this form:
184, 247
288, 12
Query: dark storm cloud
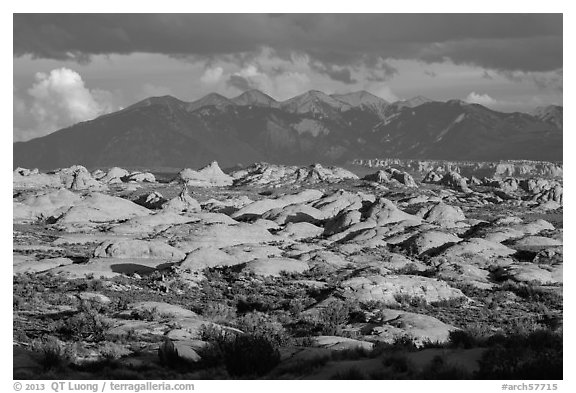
381, 71
531, 42
241, 83
343, 75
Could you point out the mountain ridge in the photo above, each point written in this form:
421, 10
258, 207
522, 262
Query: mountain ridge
167, 132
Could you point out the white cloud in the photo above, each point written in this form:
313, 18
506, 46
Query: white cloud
386, 93
482, 99
150, 90
57, 100
212, 75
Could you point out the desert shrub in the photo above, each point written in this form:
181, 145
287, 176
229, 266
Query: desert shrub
254, 302
297, 305
258, 324
85, 325
53, 352
352, 373
473, 334
112, 351
404, 343
304, 366
168, 354
247, 355
147, 314
351, 354
211, 333
120, 304
450, 303
537, 355
242, 354
89, 284
398, 363
440, 369
334, 316
462, 339
406, 300
534, 293
218, 312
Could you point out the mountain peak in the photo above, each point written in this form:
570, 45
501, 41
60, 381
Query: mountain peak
213, 99
413, 102
254, 97
360, 98
166, 100
551, 114
313, 101
457, 101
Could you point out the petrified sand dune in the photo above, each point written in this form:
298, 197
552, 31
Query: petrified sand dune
341, 256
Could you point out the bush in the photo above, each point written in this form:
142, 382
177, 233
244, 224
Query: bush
113, 351
247, 355
243, 354
472, 334
258, 324
351, 374
218, 312
398, 363
85, 325
333, 317
537, 355
406, 300
534, 293
52, 351
149, 315
168, 354
305, 366
439, 369
450, 303
462, 339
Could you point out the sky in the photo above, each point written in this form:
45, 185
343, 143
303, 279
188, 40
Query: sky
75, 67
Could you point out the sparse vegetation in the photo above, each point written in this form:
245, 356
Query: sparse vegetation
249, 319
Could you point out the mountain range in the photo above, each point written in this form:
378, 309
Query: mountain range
165, 132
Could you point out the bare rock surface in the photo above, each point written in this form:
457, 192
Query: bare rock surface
442, 214
208, 176
477, 246
24, 264
324, 263
227, 256
531, 242
139, 249
275, 266
143, 177
110, 267
183, 203
263, 174
300, 230
258, 208
151, 224
418, 328
384, 212
189, 237
529, 272
165, 309
336, 343
154, 200
391, 174
100, 208
114, 175
425, 242
45, 204
388, 288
